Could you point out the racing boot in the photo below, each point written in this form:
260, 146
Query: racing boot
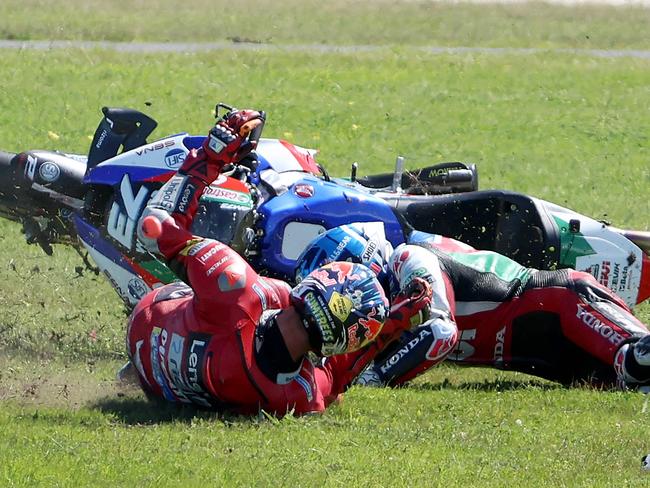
632, 363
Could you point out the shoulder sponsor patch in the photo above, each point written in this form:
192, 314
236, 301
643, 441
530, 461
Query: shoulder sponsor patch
232, 278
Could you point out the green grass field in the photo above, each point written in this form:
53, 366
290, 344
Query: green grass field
336, 22
570, 129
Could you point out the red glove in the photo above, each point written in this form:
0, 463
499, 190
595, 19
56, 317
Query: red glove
226, 143
409, 307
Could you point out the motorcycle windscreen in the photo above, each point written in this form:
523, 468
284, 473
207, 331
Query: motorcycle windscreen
224, 215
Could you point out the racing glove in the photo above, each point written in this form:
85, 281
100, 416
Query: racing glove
227, 143
410, 307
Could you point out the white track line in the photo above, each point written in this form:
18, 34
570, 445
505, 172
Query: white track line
182, 47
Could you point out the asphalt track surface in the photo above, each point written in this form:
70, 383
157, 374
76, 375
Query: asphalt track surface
180, 47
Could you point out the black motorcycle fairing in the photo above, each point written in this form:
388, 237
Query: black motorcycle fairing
509, 223
41, 190
124, 127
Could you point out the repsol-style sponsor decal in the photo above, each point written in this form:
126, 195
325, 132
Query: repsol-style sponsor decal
125, 211
605, 330
154, 147
405, 349
174, 158
49, 171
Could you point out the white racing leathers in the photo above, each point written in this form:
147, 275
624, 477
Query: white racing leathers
430, 341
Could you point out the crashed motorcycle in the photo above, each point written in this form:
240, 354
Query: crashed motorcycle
275, 202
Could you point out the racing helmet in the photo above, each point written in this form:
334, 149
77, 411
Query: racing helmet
345, 243
342, 305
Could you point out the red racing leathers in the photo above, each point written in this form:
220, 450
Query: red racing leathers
561, 325
198, 344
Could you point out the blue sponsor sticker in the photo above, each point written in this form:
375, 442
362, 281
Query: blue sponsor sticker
174, 158
305, 386
156, 366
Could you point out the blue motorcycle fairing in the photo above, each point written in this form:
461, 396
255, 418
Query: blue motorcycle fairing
111, 171
93, 238
308, 204
288, 220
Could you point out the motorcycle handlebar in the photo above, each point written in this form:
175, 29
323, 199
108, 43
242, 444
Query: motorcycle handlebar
459, 176
5, 158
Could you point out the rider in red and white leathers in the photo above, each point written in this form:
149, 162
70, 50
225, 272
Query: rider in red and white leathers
561, 325
220, 342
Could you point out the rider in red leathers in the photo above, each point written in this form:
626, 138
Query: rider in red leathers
560, 325
237, 341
